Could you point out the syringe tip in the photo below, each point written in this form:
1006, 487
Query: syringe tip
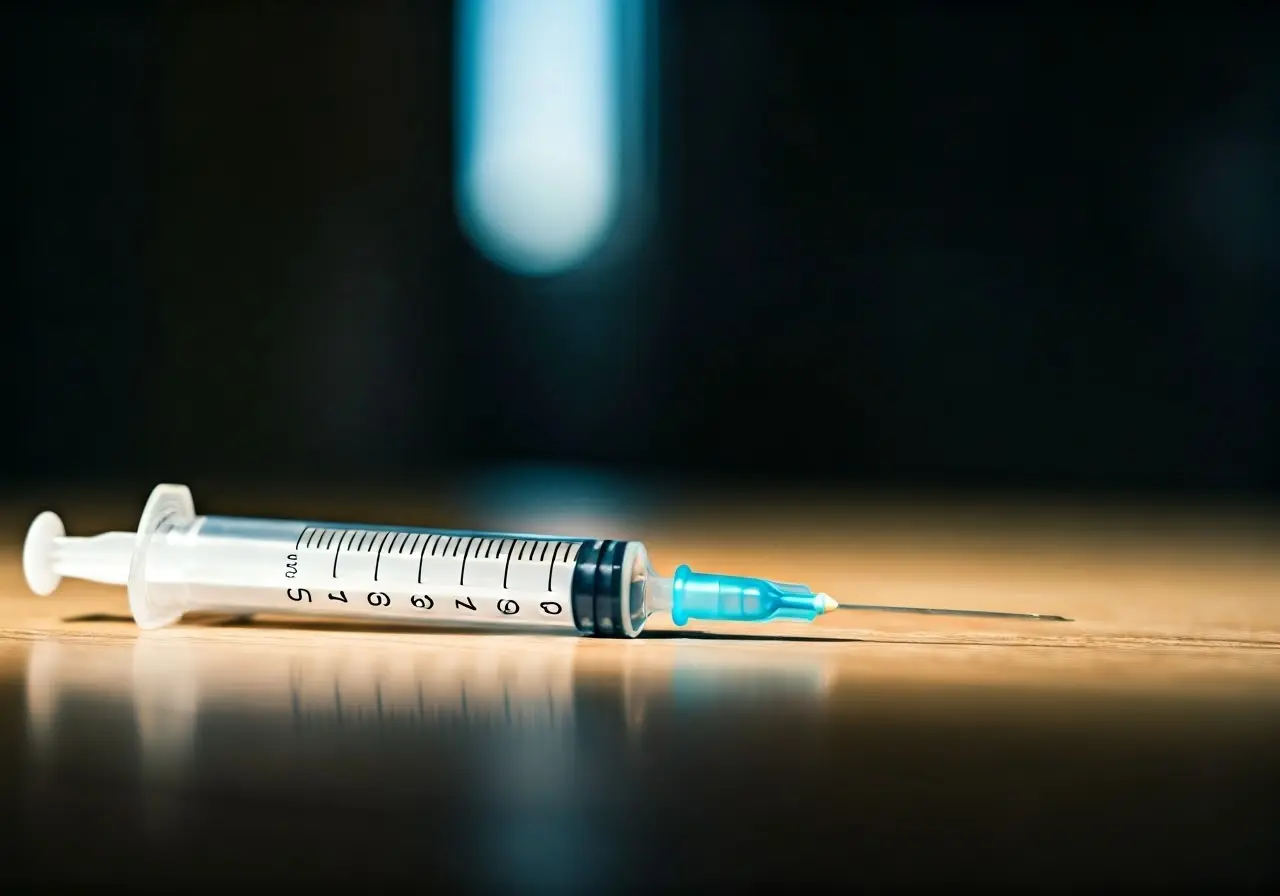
828, 603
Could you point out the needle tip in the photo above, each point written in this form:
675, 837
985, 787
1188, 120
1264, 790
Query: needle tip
939, 611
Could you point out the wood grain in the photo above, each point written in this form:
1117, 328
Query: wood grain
1137, 742
1157, 601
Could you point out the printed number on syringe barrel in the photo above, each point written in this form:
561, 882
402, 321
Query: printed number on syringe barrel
453, 575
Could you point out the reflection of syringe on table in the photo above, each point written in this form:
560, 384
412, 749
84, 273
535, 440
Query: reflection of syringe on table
525, 749
302, 704
440, 691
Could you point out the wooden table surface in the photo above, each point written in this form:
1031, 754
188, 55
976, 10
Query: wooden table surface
1135, 744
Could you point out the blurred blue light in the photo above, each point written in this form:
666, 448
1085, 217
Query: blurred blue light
538, 129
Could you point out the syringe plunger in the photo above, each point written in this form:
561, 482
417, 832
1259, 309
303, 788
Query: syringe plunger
51, 555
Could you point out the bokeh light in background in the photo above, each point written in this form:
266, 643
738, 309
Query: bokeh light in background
539, 127
992, 252
561, 499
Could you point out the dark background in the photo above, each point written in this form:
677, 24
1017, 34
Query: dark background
945, 249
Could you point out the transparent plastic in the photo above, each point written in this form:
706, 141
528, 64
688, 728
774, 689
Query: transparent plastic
180, 562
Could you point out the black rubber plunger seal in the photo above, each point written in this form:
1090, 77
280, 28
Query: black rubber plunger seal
599, 584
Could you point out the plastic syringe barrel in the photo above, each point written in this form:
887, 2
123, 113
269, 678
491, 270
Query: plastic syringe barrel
179, 562
603, 600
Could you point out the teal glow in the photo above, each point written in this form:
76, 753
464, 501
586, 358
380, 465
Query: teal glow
539, 127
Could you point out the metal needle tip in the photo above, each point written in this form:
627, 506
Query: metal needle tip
931, 611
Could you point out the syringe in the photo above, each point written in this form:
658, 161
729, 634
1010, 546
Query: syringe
179, 562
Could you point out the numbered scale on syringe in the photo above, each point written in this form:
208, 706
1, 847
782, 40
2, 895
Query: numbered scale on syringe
420, 575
